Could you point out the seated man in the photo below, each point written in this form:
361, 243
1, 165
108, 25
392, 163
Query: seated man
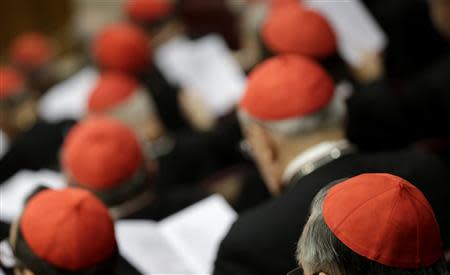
289, 121
34, 143
371, 224
65, 232
103, 155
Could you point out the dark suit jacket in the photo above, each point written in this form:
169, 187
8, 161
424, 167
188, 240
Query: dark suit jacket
263, 240
36, 148
380, 117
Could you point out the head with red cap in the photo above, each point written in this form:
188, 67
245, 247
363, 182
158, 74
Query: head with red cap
292, 28
17, 102
31, 51
158, 17
122, 47
371, 224
103, 155
121, 96
66, 231
286, 108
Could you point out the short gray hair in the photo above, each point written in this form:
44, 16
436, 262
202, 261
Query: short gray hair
319, 250
330, 116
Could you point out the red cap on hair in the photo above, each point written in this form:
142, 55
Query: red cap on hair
287, 86
70, 229
100, 153
31, 50
149, 10
11, 82
122, 47
291, 28
385, 219
111, 89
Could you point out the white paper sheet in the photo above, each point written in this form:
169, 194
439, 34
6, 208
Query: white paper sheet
204, 67
358, 32
67, 100
184, 243
15, 190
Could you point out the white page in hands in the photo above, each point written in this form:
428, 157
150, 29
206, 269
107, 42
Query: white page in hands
143, 245
204, 67
16, 189
357, 31
184, 243
67, 99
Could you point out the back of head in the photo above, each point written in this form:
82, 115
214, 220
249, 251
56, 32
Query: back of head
371, 224
120, 95
31, 51
104, 155
17, 102
293, 29
149, 12
289, 94
122, 47
65, 231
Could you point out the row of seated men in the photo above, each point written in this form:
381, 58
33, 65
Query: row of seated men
137, 153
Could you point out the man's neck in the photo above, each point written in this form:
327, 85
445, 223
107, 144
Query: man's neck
292, 147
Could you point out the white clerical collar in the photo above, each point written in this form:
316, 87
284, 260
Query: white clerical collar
309, 156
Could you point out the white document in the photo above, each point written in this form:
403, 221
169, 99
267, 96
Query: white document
15, 190
184, 243
357, 31
204, 67
68, 99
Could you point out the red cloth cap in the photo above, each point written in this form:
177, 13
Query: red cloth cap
100, 153
385, 219
31, 50
148, 11
123, 47
287, 86
70, 229
11, 82
291, 28
112, 88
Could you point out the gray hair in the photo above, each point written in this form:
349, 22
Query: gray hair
319, 250
330, 116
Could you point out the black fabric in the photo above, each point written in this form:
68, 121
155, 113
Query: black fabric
165, 97
414, 44
35, 149
380, 117
263, 240
198, 155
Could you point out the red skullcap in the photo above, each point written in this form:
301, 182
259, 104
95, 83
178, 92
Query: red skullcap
11, 82
100, 153
31, 50
111, 89
70, 229
287, 86
149, 10
291, 28
123, 47
385, 219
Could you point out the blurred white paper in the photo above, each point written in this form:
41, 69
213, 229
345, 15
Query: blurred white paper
357, 31
184, 243
204, 67
67, 100
16, 189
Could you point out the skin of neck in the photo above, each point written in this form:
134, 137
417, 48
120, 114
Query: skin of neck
289, 147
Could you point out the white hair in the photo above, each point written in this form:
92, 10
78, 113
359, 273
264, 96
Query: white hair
330, 116
135, 110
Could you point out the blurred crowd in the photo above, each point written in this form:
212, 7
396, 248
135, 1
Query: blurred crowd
335, 158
